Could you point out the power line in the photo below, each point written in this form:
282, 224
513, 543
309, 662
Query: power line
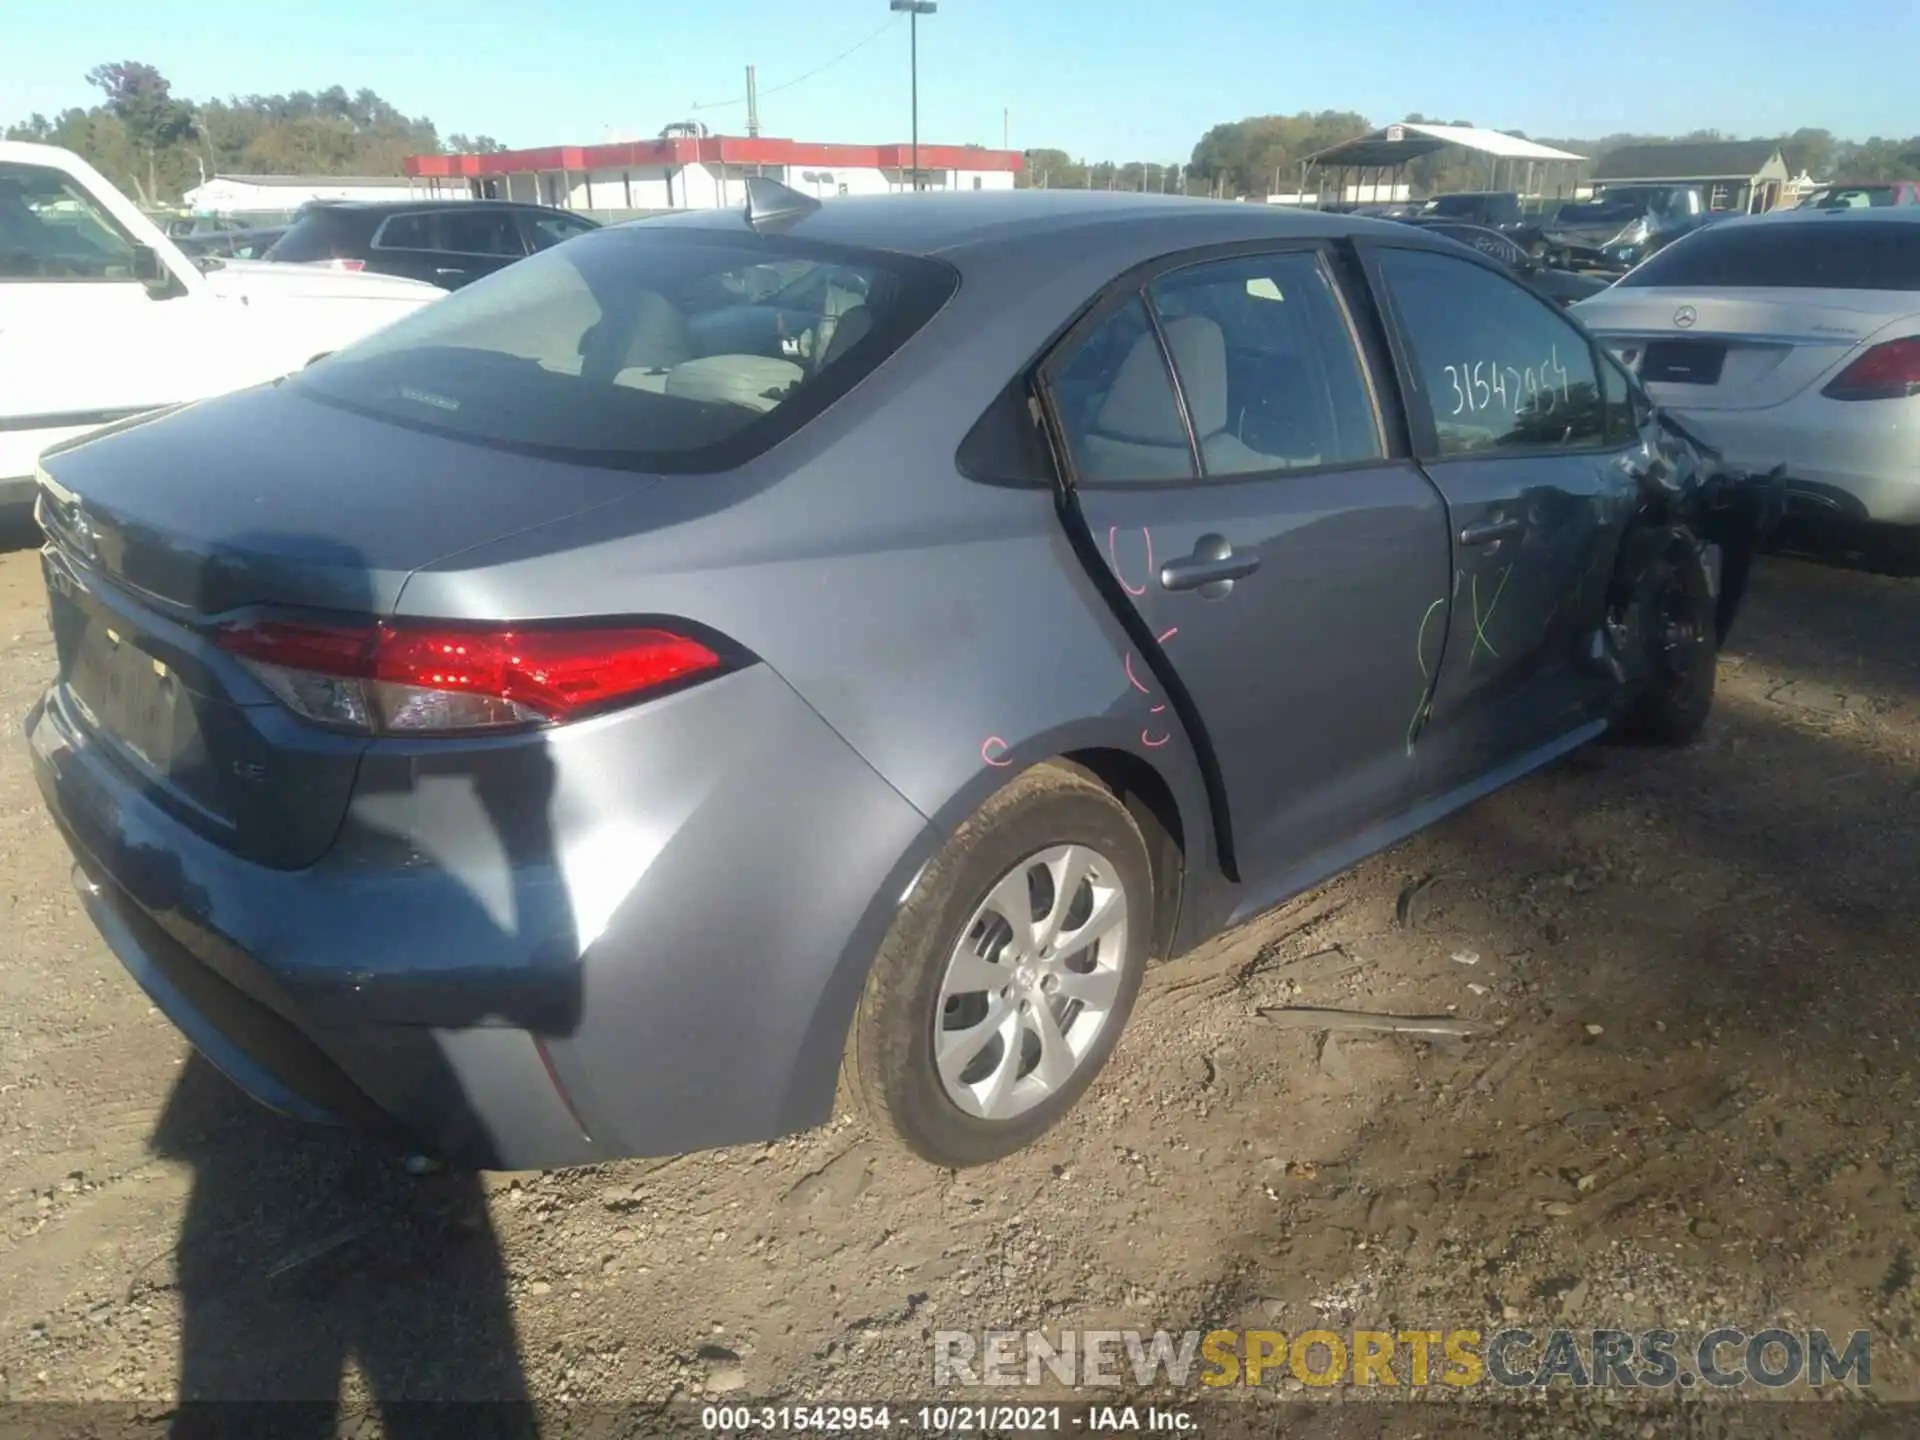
817, 70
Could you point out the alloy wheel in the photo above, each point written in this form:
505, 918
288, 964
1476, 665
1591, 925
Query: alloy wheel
1032, 983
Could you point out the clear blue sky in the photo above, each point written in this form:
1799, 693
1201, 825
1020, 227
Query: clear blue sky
1104, 79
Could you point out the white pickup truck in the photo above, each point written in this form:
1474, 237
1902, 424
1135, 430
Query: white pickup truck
102, 317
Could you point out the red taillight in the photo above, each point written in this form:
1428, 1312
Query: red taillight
354, 265
1889, 371
423, 679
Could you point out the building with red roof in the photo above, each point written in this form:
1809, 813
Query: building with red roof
694, 172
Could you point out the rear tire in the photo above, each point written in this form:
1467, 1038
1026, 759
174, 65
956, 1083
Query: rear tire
1677, 620
955, 977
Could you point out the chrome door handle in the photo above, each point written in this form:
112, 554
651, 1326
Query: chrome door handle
1488, 531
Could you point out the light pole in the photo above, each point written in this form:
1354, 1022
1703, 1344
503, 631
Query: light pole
913, 10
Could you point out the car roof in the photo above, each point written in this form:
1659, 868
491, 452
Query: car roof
951, 223
1876, 215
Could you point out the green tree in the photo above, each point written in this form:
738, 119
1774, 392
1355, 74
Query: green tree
140, 97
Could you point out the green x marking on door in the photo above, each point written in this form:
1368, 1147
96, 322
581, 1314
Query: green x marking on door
1481, 619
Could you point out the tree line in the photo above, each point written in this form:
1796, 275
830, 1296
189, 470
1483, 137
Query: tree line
1261, 155
157, 145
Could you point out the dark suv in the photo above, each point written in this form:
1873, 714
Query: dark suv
444, 242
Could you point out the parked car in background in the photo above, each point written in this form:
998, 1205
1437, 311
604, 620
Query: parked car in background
1624, 224
1792, 338
1870, 195
616, 711
245, 244
1500, 210
448, 243
103, 317
1563, 287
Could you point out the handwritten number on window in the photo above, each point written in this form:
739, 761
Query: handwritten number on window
1539, 388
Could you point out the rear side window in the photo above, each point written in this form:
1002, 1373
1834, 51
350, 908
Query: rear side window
409, 232
319, 235
480, 232
1268, 365
641, 348
549, 230
1501, 369
1117, 406
1822, 253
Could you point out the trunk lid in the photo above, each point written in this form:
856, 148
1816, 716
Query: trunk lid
1741, 349
274, 280
264, 499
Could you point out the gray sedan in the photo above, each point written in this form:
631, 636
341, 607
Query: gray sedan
732, 651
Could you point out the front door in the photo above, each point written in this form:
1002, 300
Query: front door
1286, 571
1513, 427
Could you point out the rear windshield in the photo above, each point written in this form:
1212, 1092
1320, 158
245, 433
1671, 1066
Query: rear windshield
320, 235
1468, 206
1815, 254
641, 347
1852, 197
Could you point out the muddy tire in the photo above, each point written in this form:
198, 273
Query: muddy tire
981, 1026
1677, 620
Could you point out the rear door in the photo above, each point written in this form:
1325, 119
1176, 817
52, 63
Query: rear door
1281, 559
475, 242
1511, 422
412, 244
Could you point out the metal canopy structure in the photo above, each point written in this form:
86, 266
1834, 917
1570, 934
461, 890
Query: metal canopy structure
1392, 148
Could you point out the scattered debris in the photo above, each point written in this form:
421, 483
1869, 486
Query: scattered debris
1810, 695
1466, 957
1412, 904
1306, 1017
1333, 1060
325, 1245
1596, 1029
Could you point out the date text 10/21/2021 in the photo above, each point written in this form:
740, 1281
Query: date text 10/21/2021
945, 1419
1484, 385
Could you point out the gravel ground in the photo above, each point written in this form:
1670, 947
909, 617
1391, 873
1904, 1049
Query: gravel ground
1694, 1102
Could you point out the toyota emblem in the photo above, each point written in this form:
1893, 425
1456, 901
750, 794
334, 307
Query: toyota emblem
1685, 316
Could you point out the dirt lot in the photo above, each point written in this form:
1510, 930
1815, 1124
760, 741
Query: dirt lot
1697, 1102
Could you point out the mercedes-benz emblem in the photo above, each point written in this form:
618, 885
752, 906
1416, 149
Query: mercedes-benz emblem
1685, 316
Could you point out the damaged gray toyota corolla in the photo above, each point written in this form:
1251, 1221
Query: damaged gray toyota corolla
728, 652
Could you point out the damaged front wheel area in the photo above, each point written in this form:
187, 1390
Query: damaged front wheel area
1668, 623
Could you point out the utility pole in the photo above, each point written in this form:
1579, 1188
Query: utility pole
753, 106
913, 10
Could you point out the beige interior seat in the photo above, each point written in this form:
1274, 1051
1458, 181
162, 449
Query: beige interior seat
660, 341
1137, 434
756, 382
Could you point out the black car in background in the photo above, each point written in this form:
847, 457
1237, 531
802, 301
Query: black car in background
1563, 287
1500, 210
448, 243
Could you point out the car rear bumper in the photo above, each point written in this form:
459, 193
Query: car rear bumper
1857, 474
673, 970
